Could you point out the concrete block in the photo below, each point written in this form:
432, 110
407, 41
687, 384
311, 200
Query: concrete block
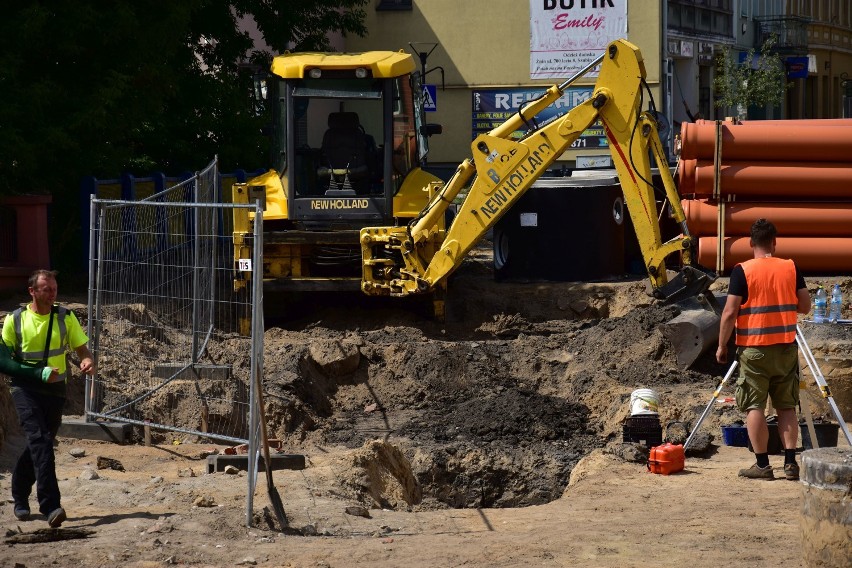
240, 461
205, 371
105, 431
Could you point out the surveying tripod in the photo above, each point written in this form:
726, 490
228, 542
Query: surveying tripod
820, 381
823, 387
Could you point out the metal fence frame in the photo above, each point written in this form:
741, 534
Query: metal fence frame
195, 213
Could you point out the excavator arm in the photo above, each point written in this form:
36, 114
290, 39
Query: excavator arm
399, 261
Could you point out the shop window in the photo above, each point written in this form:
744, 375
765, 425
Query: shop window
395, 5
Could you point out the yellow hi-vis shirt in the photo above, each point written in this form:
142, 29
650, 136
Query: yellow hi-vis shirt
26, 338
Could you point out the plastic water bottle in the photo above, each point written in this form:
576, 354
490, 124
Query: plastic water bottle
820, 304
836, 304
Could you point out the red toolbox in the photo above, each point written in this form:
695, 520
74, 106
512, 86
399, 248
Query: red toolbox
666, 459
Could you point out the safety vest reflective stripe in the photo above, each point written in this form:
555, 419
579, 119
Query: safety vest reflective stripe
768, 330
39, 355
768, 309
769, 315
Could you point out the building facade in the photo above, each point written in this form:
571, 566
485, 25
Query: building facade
479, 47
813, 39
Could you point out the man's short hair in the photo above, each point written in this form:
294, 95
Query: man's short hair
41, 273
763, 232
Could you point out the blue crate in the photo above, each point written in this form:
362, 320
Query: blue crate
735, 436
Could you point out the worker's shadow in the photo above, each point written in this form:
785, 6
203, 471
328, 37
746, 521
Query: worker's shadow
705, 454
114, 518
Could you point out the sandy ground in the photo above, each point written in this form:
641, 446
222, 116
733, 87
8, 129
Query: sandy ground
614, 513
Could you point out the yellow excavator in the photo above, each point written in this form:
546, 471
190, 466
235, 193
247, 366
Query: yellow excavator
349, 206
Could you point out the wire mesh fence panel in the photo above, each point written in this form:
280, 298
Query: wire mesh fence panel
171, 335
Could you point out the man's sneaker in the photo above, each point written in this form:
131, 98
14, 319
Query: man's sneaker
56, 517
22, 513
755, 472
791, 471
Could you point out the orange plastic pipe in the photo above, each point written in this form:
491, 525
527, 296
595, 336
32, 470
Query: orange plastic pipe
797, 180
791, 219
790, 122
753, 141
826, 255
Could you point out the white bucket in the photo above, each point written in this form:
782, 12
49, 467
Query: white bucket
644, 401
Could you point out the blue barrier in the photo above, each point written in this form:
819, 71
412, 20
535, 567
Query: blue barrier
131, 188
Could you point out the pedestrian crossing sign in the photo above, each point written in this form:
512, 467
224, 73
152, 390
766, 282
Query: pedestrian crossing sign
430, 98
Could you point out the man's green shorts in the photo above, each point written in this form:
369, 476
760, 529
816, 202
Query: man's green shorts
771, 370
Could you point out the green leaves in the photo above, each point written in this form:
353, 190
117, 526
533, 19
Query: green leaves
758, 81
95, 88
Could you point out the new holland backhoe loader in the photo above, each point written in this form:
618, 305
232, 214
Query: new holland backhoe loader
334, 215
416, 257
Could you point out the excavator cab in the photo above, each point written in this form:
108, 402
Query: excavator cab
348, 141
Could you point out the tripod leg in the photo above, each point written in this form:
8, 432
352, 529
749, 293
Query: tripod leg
710, 404
821, 383
806, 410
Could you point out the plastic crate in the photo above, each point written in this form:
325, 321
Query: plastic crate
735, 436
826, 435
645, 430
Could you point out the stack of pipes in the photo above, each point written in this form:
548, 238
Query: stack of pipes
796, 173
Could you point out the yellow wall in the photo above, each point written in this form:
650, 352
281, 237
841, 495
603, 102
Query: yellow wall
484, 44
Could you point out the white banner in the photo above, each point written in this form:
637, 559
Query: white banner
567, 35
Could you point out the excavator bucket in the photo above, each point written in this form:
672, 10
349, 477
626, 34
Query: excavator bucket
696, 328
691, 281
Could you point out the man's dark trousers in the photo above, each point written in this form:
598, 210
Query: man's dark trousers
40, 416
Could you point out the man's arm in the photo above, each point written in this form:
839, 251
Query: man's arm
9, 366
804, 305
726, 325
87, 361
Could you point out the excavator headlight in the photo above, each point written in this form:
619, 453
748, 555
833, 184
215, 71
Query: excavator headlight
361, 73
315, 73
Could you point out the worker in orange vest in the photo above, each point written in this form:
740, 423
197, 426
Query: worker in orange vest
764, 295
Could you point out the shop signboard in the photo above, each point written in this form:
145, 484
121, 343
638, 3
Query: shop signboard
492, 107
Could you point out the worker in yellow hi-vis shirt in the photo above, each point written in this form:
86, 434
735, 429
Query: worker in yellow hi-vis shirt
40, 334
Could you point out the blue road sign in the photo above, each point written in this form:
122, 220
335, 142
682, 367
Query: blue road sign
430, 98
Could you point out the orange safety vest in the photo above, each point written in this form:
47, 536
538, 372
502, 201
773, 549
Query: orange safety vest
769, 315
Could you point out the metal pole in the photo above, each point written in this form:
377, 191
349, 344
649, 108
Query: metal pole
583, 71
710, 405
196, 260
214, 247
256, 358
87, 389
95, 317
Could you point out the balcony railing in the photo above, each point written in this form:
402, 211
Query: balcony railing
790, 31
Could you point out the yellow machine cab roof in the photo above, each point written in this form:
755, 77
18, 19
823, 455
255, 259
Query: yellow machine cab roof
383, 64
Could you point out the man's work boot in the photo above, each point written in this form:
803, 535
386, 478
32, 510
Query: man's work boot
56, 517
22, 513
791, 471
756, 472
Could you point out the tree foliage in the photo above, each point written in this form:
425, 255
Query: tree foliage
758, 81
100, 88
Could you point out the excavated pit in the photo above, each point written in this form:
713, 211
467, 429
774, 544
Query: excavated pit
492, 408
